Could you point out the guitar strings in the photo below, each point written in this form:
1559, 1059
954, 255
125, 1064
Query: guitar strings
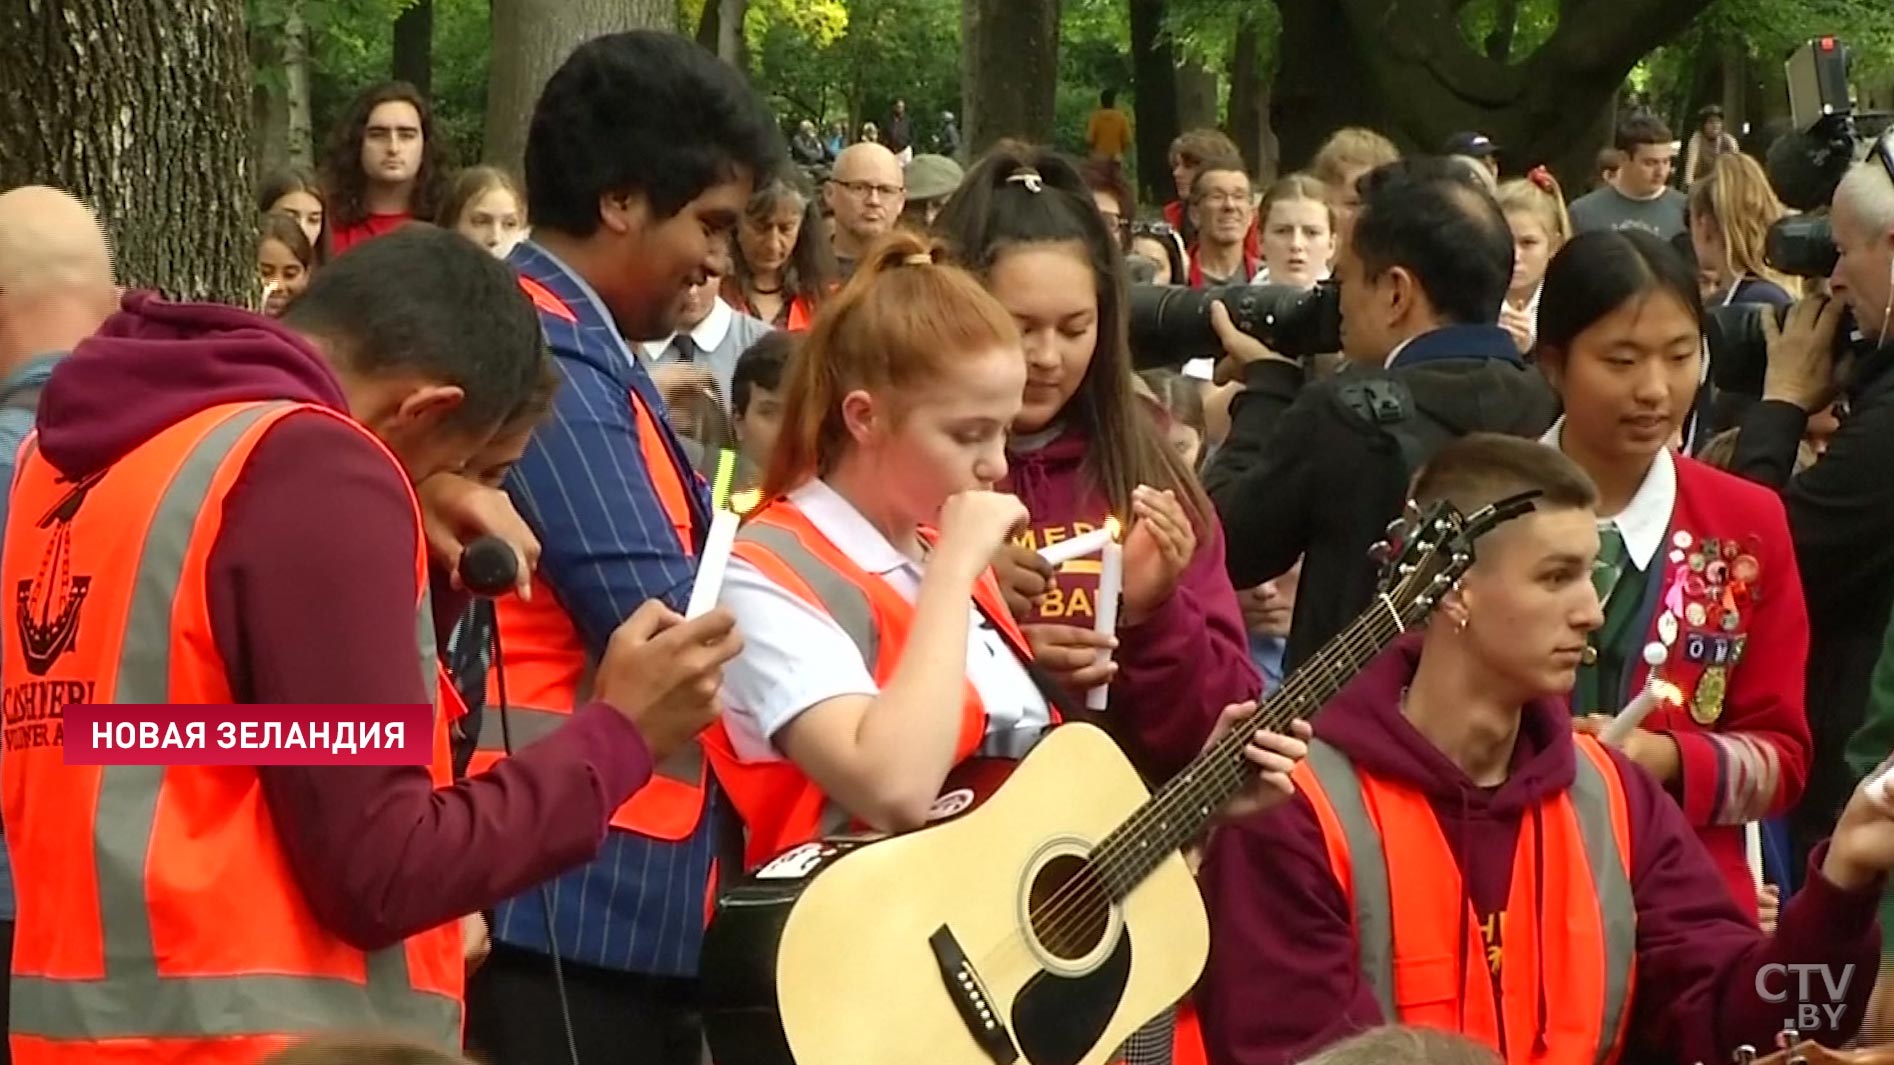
1223, 765
1434, 573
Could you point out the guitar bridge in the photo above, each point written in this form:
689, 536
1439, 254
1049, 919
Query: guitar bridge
970, 998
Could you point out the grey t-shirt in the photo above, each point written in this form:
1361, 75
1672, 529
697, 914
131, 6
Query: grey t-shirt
1607, 208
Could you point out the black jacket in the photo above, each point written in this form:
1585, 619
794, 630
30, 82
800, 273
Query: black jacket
1841, 514
1305, 473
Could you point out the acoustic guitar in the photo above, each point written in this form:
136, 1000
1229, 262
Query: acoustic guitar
1042, 925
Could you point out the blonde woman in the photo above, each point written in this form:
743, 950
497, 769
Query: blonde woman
1535, 211
1731, 211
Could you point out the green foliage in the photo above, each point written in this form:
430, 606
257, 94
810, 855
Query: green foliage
1533, 22
831, 60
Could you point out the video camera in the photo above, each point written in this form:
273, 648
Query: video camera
1805, 166
1171, 325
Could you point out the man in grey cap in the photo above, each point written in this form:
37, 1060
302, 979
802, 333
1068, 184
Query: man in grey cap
931, 179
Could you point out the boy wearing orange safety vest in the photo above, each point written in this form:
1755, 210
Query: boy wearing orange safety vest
1457, 858
219, 508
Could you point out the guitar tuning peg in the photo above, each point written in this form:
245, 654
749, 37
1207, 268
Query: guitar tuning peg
1393, 528
1787, 1038
1381, 552
1412, 510
1744, 1055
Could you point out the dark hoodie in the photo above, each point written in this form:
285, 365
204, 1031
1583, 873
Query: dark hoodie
1178, 668
1301, 476
311, 592
1284, 979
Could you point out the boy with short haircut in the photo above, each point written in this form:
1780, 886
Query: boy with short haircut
1455, 857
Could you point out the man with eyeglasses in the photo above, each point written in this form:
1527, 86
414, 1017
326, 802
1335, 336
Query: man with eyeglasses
1841, 509
1223, 206
866, 192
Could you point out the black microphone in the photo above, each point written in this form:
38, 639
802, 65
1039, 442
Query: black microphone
1804, 166
489, 566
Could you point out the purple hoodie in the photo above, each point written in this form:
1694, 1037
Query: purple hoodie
1179, 667
1284, 979
311, 592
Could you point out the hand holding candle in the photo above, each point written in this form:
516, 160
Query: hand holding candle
1656, 692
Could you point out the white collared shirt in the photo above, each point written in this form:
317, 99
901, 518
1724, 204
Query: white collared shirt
721, 339
796, 656
1644, 521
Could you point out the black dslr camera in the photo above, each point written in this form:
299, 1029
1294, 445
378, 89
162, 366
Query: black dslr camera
1805, 165
1171, 326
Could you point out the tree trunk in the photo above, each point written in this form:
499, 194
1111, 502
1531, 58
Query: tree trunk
530, 39
414, 45
1249, 103
1152, 65
730, 45
142, 109
1011, 70
1499, 43
1404, 67
1196, 95
301, 127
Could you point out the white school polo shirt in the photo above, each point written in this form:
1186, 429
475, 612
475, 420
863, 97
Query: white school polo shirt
795, 656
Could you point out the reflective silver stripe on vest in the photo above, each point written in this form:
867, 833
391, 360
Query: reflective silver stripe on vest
1611, 883
132, 1000
1374, 913
1617, 909
840, 597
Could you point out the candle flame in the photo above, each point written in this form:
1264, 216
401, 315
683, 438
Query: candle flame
1114, 528
1667, 692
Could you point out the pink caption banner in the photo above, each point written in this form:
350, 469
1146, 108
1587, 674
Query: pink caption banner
209, 734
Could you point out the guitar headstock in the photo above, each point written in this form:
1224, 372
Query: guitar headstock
1427, 552
1793, 1051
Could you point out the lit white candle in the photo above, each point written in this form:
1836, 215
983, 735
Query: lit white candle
1064, 551
1111, 586
723, 536
1655, 693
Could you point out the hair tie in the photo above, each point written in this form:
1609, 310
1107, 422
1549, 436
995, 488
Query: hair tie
1028, 177
1541, 177
919, 258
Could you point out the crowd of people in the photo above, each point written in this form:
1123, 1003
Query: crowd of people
909, 380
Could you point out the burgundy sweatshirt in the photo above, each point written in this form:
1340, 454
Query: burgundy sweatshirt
1284, 978
1178, 668
311, 595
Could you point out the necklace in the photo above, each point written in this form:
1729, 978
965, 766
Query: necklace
761, 291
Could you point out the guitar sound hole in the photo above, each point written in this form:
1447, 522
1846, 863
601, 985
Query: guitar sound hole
1069, 907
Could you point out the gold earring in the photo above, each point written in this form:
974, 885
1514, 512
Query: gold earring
1460, 627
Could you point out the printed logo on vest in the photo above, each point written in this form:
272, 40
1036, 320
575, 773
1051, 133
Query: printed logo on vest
46, 605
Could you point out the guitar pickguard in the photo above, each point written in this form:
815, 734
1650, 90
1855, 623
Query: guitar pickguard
1057, 1020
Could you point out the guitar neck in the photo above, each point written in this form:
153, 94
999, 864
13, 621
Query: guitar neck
1181, 809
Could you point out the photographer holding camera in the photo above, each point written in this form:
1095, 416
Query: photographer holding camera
1841, 509
1318, 469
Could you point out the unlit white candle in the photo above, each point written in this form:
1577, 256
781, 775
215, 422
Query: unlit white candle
1111, 585
1064, 551
1752, 850
717, 545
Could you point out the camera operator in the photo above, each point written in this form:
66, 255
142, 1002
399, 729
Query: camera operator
1317, 469
1841, 509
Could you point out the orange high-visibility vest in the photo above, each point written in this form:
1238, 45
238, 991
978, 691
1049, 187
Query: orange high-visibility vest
159, 918
548, 671
1394, 865
780, 806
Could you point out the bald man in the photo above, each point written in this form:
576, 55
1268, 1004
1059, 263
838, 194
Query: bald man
866, 192
55, 289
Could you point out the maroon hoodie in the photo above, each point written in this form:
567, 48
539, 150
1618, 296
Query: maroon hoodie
1178, 668
311, 593
1284, 978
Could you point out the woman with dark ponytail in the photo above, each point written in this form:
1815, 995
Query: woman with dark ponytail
1086, 447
